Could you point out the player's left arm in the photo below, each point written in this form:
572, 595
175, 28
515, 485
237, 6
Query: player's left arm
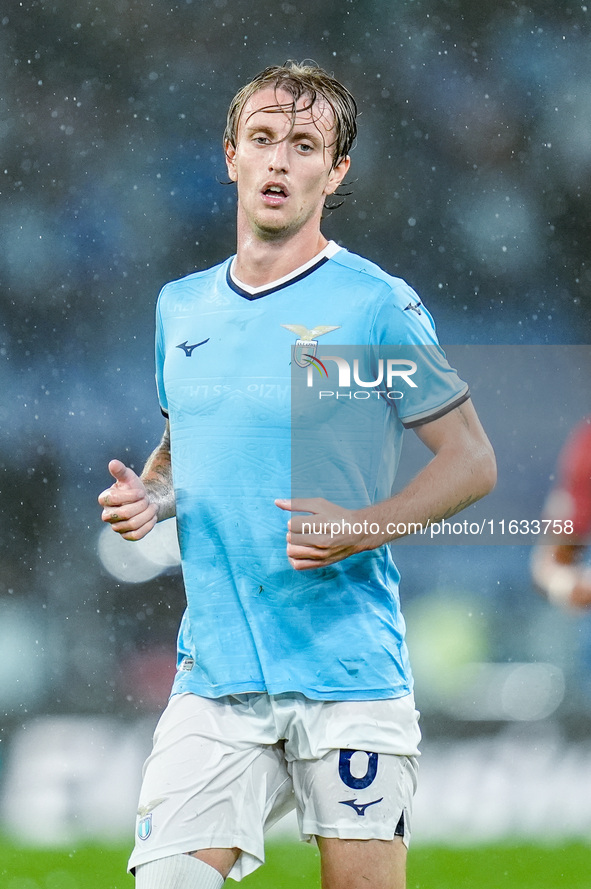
463, 470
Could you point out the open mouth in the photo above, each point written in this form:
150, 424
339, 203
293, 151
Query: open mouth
275, 192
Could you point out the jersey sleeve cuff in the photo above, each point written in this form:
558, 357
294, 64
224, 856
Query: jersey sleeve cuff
434, 414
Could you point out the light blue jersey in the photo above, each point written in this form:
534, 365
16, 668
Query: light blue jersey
223, 357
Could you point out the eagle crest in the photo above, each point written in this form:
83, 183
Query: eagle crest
308, 336
305, 345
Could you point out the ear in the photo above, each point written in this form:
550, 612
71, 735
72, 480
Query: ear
337, 174
230, 152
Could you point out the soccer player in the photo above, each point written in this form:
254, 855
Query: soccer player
293, 686
558, 569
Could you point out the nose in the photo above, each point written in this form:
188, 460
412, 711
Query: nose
278, 161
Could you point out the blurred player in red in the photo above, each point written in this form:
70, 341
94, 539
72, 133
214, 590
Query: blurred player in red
558, 569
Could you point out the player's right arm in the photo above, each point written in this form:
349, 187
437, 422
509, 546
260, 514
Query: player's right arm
133, 504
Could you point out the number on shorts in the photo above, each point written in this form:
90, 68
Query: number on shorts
345, 769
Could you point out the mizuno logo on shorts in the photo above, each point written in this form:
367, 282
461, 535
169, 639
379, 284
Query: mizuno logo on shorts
360, 808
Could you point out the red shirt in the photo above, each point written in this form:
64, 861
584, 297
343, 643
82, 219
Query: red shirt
571, 496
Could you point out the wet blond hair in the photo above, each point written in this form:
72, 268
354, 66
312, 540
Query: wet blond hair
299, 80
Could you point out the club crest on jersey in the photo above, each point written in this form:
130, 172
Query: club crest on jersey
306, 343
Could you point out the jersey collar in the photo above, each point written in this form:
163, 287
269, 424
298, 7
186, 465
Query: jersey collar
249, 292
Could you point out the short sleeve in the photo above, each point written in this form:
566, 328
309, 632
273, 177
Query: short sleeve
417, 375
160, 355
402, 318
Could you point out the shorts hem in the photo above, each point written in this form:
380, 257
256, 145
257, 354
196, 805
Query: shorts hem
247, 862
309, 832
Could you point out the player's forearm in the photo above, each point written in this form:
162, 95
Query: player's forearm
454, 479
157, 478
462, 471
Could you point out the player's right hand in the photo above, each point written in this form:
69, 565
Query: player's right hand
126, 505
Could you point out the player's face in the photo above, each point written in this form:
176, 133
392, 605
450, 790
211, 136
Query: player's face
283, 164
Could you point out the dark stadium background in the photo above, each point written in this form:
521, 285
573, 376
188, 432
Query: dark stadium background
471, 179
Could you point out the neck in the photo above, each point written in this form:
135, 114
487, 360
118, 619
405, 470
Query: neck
259, 261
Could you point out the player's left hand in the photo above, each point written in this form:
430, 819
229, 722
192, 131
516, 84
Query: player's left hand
326, 534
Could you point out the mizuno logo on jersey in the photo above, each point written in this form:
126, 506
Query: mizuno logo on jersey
188, 350
306, 343
414, 307
360, 808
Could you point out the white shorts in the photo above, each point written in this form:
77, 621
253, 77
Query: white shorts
223, 770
